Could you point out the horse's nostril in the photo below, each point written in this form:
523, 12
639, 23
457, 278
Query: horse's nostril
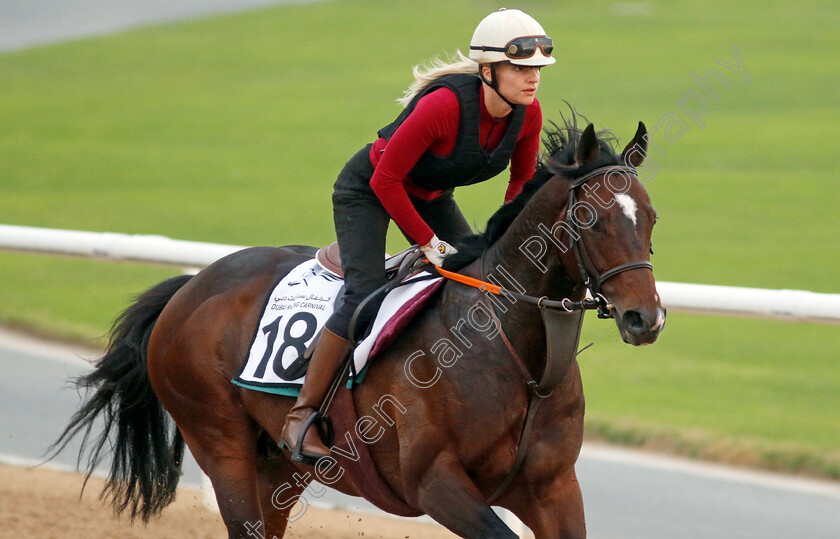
633, 321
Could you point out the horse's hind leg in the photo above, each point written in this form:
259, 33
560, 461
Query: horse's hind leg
205, 406
227, 454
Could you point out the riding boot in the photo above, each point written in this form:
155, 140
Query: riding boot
327, 357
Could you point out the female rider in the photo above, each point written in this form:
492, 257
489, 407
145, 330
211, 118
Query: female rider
463, 123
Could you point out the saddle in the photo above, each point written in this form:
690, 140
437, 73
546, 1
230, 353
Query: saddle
330, 259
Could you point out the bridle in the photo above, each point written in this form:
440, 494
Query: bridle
563, 320
592, 278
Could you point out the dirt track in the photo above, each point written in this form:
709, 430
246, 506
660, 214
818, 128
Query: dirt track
42, 503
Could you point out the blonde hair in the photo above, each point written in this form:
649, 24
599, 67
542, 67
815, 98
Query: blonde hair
427, 73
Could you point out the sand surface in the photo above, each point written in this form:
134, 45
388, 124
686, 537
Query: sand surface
44, 503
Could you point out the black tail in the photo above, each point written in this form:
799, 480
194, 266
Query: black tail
147, 459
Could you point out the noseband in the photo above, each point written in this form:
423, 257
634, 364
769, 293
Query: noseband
592, 278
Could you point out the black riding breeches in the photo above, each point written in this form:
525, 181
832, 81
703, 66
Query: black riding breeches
361, 225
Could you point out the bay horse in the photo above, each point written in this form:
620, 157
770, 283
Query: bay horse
174, 352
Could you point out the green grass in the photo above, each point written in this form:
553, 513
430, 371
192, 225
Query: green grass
232, 129
745, 391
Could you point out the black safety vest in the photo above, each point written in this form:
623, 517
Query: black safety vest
468, 162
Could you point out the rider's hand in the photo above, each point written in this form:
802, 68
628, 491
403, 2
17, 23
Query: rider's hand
436, 250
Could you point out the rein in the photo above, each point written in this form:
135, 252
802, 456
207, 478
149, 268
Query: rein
564, 304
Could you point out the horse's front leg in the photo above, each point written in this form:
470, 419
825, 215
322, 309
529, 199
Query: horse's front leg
552, 509
442, 489
546, 493
280, 487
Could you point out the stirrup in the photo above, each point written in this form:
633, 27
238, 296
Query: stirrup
324, 426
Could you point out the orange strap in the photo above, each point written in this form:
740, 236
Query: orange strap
470, 281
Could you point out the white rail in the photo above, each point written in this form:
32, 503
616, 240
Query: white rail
113, 246
789, 305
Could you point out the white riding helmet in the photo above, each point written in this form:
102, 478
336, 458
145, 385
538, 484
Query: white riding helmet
509, 35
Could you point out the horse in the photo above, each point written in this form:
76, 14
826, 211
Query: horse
458, 434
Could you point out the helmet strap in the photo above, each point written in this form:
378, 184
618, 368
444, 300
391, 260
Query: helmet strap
494, 83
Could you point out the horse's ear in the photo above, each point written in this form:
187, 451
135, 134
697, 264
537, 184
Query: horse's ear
587, 148
635, 152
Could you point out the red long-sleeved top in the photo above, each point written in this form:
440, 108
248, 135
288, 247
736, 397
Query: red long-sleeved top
433, 126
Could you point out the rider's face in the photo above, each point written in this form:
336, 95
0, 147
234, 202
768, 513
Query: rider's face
518, 83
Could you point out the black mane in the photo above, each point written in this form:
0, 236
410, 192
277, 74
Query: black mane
560, 144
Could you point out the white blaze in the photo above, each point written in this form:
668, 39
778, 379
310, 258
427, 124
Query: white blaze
628, 206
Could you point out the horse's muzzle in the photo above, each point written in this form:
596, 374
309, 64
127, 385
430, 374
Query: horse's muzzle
639, 327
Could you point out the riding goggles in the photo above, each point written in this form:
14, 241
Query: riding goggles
522, 47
